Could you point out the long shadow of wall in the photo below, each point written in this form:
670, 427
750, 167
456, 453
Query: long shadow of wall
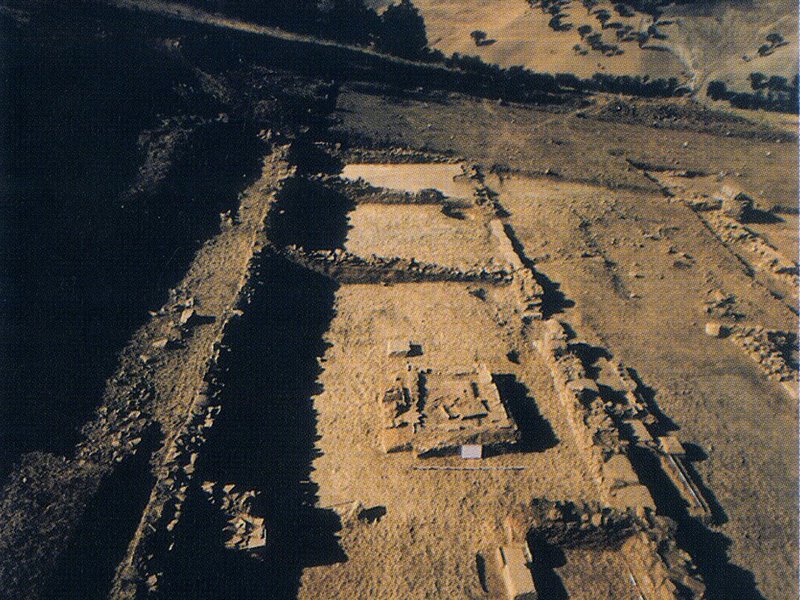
87, 567
708, 549
310, 215
547, 558
80, 265
537, 434
264, 439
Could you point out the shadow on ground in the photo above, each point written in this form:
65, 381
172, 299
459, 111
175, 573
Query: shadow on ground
708, 548
264, 439
537, 434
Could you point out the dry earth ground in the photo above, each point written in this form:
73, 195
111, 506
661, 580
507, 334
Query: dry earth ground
560, 141
522, 37
435, 521
697, 37
610, 253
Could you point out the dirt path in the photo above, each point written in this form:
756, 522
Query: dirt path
194, 15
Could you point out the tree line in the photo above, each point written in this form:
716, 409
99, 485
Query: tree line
773, 93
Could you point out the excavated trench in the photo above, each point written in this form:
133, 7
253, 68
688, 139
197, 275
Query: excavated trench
264, 439
265, 436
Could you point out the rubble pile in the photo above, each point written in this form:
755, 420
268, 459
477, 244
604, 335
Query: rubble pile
568, 525
243, 530
361, 192
659, 569
394, 155
127, 421
721, 305
731, 231
766, 347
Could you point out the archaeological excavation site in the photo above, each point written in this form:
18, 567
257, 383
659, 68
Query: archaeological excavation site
304, 301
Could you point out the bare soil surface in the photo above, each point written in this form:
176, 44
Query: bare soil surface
520, 35
651, 313
434, 521
640, 269
304, 245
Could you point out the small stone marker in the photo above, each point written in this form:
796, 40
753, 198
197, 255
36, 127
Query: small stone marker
187, 315
472, 451
398, 348
516, 575
671, 445
716, 330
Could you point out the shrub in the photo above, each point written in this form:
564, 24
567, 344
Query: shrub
402, 31
757, 80
478, 36
603, 16
623, 10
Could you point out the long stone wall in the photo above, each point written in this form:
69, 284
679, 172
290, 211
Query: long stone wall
592, 427
157, 391
174, 467
345, 267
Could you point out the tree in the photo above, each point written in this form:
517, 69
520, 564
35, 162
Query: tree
349, 20
623, 10
584, 30
594, 39
603, 16
556, 24
478, 36
717, 90
775, 39
402, 31
778, 84
589, 4
757, 80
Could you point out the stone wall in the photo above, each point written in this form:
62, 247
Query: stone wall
345, 267
592, 427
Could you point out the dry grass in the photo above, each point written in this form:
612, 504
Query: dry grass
523, 37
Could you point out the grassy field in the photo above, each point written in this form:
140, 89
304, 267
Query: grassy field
522, 37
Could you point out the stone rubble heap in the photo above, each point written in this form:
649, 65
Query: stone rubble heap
657, 568
361, 192
243, 530
765, 347
768, 257
345, 268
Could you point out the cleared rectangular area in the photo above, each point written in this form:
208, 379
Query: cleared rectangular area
413, 177
422, 232
435, 520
